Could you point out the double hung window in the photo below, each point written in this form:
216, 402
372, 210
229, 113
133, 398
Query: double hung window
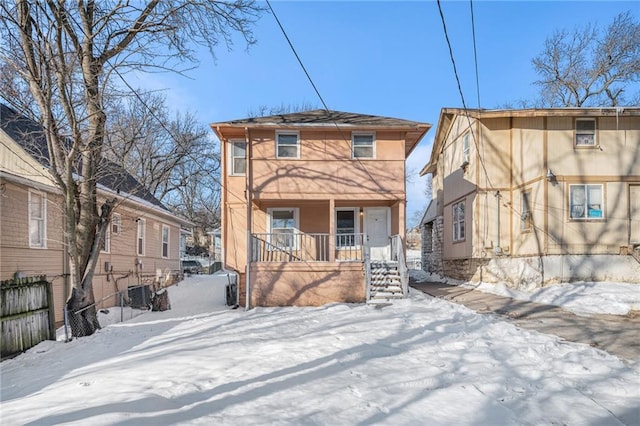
165, 241
283, 223
363, 145
287, 145
141, 237
37, 219
238, 157
458, 221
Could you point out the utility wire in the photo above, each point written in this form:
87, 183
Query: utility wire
297, 57
464, 104
475, 51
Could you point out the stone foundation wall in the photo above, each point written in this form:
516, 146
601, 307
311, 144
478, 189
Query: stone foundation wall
432, 241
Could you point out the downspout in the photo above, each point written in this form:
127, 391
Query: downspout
249, 197
497, 250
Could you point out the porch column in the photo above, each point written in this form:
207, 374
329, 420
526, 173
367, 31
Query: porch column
332, 230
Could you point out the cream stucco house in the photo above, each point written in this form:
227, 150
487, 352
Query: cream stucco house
535, 196
314, 206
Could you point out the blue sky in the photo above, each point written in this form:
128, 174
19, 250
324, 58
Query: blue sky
382, 58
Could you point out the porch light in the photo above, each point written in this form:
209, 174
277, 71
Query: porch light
550, 175
361, 212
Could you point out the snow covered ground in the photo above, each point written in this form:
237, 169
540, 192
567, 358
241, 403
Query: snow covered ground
581, 298
419, 361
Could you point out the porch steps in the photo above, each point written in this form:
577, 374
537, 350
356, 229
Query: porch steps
386, 282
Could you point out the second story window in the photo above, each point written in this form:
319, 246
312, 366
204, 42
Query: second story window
585, 132
116, 224
238, 161
106, 242
465, 148
363, 145
287, 145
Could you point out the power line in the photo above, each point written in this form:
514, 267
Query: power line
464, 104
475, 51
297, 57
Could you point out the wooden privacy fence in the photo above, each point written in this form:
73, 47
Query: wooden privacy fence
26, 313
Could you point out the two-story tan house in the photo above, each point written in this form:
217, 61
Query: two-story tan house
314, 206
142, 242
535, 196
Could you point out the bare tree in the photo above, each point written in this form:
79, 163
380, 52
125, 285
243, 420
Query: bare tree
589, 66
265, 111
72, 56
175, 158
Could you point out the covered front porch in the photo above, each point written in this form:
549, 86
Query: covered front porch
312, 253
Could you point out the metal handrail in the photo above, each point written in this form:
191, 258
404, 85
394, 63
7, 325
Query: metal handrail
397, 255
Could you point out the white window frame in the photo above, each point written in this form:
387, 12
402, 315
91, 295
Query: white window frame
297, 145
116, 224
356, 229
233, 157
587, 204
163, 242
141, 236
296, 227
106, 243
586, 132
466, 147
353, 145
457, 234
42, 221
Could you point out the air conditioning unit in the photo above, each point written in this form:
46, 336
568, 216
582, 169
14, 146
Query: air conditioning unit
140, 296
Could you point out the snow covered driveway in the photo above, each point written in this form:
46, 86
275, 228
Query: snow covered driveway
419, 361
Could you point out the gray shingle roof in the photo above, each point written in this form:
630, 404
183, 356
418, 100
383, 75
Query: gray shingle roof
30, 136
324, 117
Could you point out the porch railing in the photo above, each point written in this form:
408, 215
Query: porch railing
290, 247
397, 255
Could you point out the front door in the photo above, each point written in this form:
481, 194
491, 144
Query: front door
377, 227
634, 214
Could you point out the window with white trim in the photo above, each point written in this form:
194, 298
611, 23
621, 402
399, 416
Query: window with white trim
141, 237
347, 227
165, 241
106, 241
37, 219
465, 147
458, 221
363, 145
586, 201
287, 144
116, 224
525, 209
283, 226
585, 132
238, 160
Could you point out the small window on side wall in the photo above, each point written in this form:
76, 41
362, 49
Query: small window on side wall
238, 161
585, 132
363, 145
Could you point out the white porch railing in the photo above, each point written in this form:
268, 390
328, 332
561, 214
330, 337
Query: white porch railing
290, 247
397, 255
